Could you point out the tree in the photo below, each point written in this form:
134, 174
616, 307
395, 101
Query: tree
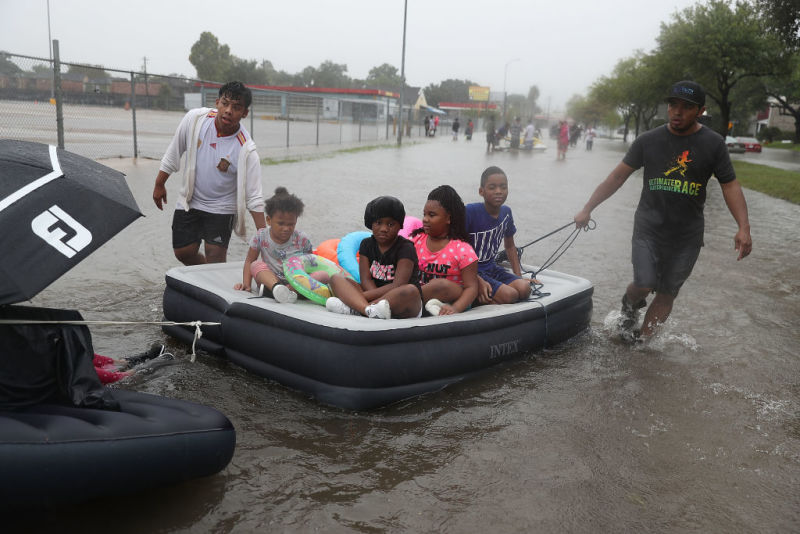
450, 90
719, 46
517, 106
533, 97
165, 97
635, 89
210, 60
750, 98
330, 74
785, 89
591, 111
384, 77
245, 70
608, 92
783, 16
7, 66
92, 72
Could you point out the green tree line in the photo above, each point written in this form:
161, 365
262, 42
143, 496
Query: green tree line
740, 52
213, 61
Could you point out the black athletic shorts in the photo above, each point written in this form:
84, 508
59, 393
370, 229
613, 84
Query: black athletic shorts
193, 226
660, 267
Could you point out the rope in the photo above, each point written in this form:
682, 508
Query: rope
196, 324
559, 251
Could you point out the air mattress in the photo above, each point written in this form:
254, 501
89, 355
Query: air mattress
360, 363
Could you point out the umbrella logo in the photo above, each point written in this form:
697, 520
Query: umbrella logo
49, 225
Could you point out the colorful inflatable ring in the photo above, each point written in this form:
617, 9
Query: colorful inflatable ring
347, 252
298, 271
410, 224
327, 249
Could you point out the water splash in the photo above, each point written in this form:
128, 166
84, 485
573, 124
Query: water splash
667, 336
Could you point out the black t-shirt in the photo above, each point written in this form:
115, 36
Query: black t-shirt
382, 266
676, 173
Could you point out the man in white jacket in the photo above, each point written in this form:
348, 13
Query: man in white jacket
221, 178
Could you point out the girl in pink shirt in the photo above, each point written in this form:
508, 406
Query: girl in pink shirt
447, 263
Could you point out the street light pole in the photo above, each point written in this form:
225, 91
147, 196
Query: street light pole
505, 78
402, 78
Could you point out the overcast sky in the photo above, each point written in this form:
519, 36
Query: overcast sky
562, 46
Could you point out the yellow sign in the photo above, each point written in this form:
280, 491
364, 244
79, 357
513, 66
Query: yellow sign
476, 92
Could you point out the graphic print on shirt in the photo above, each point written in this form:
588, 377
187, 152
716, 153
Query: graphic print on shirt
682, 164
433, 270
381, 272
677, 185
487, 242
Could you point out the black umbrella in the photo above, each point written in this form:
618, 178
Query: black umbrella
56, 208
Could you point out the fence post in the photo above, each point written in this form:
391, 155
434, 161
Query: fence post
57, 87
318, 106
133, 115
288, 103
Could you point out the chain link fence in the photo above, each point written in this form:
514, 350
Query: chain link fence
102, 112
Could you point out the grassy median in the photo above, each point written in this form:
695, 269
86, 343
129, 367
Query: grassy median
769, 180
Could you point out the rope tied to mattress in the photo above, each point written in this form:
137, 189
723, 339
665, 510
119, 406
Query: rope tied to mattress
198, 333
557, 253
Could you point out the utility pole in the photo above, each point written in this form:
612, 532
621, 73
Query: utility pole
50, 48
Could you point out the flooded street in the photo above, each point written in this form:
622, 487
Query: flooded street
698, 431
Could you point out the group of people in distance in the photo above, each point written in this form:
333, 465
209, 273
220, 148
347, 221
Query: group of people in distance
515, 133
448, 265
431, 123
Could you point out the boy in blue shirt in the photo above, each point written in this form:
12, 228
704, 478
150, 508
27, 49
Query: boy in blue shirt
489, 223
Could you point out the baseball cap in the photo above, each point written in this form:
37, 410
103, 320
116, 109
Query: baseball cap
688, 91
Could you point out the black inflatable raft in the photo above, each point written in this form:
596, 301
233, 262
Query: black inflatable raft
64, 438
52, 454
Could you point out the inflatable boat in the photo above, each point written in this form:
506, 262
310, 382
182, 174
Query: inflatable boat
54, 454
358, 363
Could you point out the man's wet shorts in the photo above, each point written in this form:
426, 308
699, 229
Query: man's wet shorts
662, 267
496, 276
193, 226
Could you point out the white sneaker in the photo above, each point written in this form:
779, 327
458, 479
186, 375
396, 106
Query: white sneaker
379, 310
335, 305
434, 306
283, 295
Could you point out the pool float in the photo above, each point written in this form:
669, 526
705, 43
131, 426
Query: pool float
410, 224
347, 252
327, 249
299, 270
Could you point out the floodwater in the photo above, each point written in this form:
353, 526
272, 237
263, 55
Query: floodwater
698, 431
